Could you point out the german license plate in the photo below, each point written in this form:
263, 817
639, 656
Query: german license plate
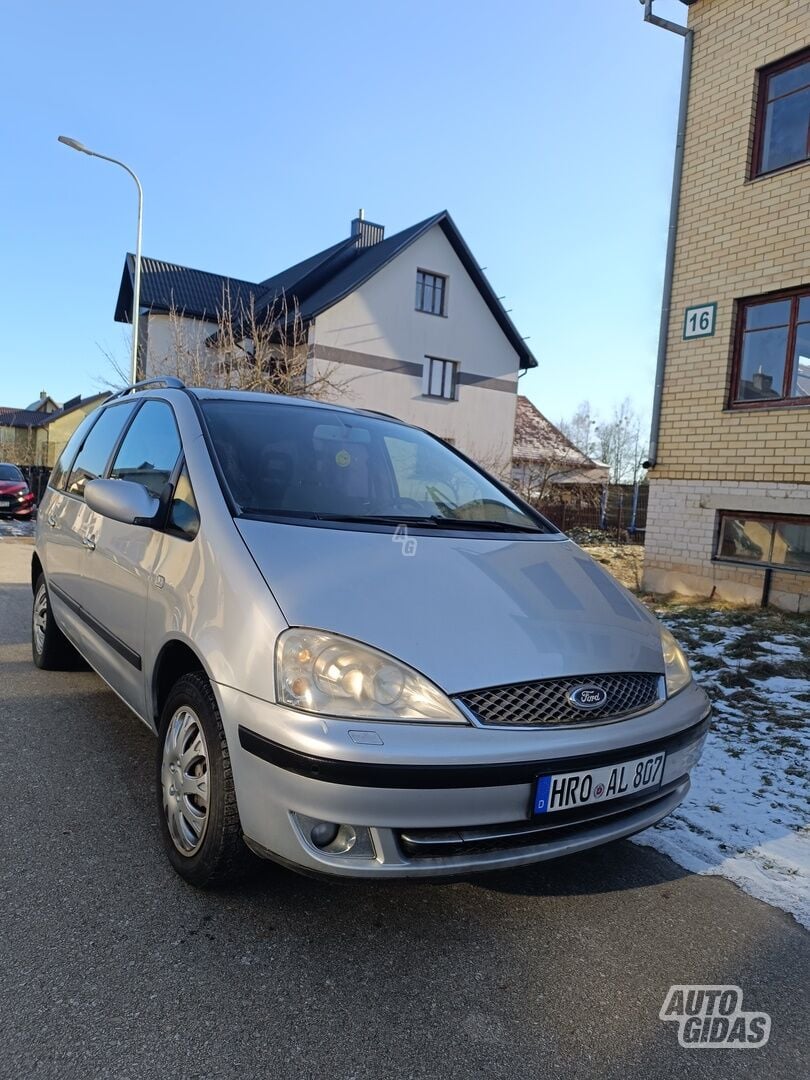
566, 791
4, 502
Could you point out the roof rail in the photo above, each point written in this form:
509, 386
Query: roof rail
160, 380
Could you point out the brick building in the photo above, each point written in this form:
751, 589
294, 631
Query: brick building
730, 482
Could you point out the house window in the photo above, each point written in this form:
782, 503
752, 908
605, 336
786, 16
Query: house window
440, 378
431, 291
783, 115
772, 351
780, 542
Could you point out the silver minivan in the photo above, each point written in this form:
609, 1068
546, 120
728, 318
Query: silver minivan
362, 656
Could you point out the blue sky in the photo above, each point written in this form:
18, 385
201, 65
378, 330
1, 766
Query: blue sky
546, 128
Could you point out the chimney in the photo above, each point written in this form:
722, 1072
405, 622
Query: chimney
43, 394
366, 233
762, 383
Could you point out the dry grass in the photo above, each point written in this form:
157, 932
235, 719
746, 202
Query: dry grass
624, 561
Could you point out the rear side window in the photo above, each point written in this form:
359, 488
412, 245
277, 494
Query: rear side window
61, 469
150, 448
95, 452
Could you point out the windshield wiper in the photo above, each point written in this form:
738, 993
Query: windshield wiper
382, 519
431, 521
269, 511
484, 525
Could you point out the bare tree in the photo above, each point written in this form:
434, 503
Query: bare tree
26, 447
620, 444
552, 478
580, 429
263, 350
248, 347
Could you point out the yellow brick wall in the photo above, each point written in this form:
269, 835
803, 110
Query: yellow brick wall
736, 237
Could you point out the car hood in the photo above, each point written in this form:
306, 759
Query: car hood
11, 487
468, 613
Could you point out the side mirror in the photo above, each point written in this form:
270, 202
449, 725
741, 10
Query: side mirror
122, 500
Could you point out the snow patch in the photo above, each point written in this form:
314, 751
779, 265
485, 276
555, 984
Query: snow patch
747, 815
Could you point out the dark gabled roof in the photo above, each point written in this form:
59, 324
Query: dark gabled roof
166, 287
23, 418
370, 260
30, 418
366, 263
314, 284
301, 272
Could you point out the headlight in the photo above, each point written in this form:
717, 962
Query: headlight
675, 664
335, 676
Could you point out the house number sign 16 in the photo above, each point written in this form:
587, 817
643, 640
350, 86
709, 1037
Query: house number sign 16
699, 321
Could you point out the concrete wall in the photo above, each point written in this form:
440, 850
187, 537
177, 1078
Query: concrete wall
379, 325
737, 238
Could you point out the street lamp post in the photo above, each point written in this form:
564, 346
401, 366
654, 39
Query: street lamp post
136, 292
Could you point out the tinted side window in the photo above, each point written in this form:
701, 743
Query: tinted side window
98, 446
150, 448
60, 471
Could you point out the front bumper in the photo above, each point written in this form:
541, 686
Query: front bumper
439, 800
17, 506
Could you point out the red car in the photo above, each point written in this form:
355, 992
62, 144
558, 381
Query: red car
16, 498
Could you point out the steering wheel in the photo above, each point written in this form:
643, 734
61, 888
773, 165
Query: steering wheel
409, 506
437, 493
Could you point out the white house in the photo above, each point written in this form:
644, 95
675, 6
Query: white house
410, 320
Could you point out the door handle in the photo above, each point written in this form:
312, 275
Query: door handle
52, 521
89, 543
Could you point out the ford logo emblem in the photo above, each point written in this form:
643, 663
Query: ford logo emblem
588, 697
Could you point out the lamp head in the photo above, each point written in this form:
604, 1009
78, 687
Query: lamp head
74, 145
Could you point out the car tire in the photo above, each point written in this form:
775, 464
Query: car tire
196, 800
50, 648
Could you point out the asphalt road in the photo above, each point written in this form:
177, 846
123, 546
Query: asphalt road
113, 967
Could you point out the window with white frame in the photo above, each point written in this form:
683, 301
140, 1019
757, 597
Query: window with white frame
431, 292
440, 378
780, 542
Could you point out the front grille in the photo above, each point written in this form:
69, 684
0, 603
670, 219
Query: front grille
546, 701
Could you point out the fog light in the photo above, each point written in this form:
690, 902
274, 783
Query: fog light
332, 839
323, 834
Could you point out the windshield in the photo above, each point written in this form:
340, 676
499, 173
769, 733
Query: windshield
11, 472
301, 462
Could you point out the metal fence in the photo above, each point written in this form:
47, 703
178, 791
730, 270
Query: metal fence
620, 512
36, 476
